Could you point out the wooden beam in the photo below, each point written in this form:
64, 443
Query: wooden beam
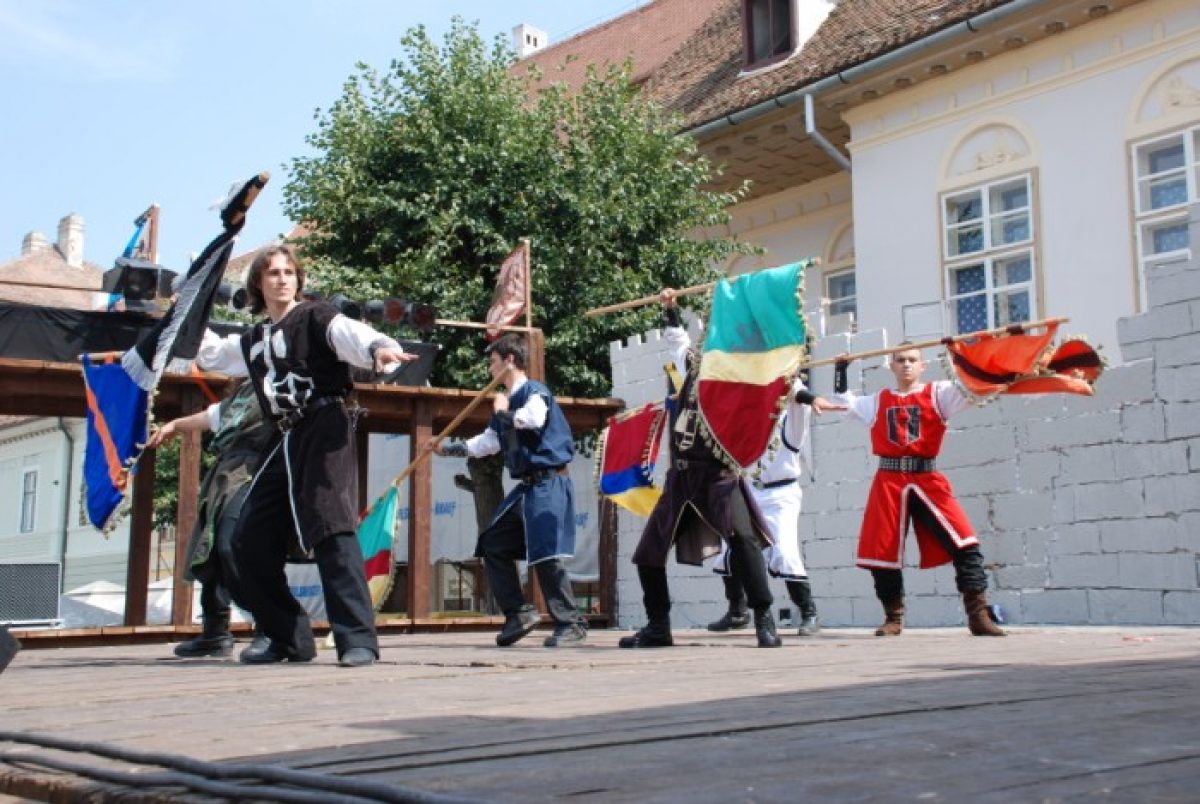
186, 509
609, 543
420, 514
141, 524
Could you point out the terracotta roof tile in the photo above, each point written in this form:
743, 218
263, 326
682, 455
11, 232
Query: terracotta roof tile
648, 35
45, 278
703, 80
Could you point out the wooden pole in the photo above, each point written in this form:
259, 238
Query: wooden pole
528, 283
891, 350
420, 517
807, 262
152, 233
643, 301
186, 508
141, 523
421, 453
449, 322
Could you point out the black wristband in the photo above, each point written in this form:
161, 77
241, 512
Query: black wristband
805, 396
840, 381
671, 317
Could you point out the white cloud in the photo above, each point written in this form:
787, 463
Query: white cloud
26, 31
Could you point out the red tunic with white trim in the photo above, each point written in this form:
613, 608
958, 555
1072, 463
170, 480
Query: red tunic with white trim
910, 425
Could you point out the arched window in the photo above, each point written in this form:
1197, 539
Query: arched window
988, 232
1165, 158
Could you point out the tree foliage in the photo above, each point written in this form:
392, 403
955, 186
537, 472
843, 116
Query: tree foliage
425, 176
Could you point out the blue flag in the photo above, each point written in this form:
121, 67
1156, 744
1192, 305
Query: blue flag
118, 393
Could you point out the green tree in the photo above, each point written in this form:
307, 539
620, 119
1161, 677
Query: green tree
427, 175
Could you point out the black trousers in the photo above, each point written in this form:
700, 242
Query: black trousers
748, 569
217, 577
264, 535
502, 545
969, 575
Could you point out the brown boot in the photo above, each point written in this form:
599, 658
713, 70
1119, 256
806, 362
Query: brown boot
979, 619
893, 620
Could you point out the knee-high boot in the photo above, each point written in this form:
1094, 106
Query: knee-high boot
750, 569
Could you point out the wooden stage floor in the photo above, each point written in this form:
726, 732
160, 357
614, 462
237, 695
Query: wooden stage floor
1047, 714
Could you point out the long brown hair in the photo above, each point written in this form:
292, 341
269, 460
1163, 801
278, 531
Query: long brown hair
254, 276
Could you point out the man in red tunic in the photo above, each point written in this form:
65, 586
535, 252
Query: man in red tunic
907, 425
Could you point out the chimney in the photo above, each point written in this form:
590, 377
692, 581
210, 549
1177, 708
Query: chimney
528, 40
34, 243
70, 239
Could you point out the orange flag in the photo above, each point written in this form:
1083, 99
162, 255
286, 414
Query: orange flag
508, 302
1025, 364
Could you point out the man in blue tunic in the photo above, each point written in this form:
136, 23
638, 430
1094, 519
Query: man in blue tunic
536, 521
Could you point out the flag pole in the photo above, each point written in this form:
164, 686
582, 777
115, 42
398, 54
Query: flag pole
1013, 329
449, 428
807, 262
528, 284
448, 322
645, 300
152, 235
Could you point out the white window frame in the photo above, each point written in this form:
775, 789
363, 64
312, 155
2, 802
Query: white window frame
990, 253
1149, 219
29, 491
832, 300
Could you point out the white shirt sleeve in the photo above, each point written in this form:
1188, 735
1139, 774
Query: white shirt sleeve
214, 416
680, 341
862, 408
352, 341
797, 420
486, 443
949, 398
221, 354
531, 415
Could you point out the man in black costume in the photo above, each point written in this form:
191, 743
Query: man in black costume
298, 360
705, 505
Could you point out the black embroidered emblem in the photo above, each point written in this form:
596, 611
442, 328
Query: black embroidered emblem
904, 424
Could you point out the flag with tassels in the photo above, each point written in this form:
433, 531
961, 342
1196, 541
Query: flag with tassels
628, 451
119, 393
376, 534
1023, 363
754, 345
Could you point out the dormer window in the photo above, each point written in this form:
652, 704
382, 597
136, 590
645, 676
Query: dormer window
769, 28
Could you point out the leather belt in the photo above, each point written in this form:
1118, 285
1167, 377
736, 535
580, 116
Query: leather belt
538, 475
775, 484
908, 463
290, 420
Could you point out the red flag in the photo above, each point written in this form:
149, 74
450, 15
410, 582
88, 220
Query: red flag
508, 302
1024, 364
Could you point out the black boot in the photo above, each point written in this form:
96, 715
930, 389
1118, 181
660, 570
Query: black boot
801, 594
214, 641
656, 597
258, 641
764, 629
736, 618
655, 634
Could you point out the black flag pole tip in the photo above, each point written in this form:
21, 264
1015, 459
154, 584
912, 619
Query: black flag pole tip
233, 211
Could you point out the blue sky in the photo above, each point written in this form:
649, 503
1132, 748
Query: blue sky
108, 106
